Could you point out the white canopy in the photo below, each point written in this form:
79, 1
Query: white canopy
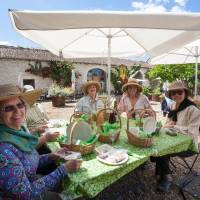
106, 33
189, 53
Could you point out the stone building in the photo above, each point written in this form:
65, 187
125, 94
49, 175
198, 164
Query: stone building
15, 60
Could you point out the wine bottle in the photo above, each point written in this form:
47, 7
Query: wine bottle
112, 118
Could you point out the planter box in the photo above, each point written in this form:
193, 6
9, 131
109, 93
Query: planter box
155, 97
58, 101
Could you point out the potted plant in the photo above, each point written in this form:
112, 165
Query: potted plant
147, 91
156, 94
58, 94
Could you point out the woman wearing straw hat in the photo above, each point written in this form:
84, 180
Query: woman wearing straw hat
89, 103
185, 118
132, 98
18, 158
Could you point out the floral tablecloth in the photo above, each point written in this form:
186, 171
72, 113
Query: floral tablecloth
94, 176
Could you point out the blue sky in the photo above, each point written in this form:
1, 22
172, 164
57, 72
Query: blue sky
9, 37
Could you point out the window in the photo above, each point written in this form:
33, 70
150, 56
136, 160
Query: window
29, 82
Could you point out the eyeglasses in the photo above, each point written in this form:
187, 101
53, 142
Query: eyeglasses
174, 92
12, 108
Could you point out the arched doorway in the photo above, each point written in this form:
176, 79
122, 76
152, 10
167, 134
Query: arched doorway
139, 75
99, 75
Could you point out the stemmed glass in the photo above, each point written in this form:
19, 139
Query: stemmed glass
112, 137
104, 99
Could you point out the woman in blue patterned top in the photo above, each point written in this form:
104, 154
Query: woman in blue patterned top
18, 158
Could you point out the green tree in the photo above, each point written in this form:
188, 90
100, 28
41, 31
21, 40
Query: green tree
185, 72
117, 81
61, 72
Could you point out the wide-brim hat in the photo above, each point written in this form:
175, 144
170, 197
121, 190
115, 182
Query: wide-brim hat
9, 91
132, 82
177, 85
87, 84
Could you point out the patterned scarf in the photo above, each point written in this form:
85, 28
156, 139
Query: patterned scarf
19, 138
184, 104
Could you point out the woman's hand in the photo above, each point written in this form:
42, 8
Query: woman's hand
72, 165
51, 137
170, 124
55, 155
148, 112
130, 114
41, 129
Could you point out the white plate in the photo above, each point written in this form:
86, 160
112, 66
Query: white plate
111, 163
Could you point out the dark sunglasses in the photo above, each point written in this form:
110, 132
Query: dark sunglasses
174, 92
12, 108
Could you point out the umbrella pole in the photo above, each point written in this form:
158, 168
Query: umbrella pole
196, 70
109, 67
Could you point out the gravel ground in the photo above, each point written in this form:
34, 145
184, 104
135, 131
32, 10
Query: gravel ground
137, 185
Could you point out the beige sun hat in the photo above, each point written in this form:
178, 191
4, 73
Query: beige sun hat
9, 91
177, 85
87, 84
132, 82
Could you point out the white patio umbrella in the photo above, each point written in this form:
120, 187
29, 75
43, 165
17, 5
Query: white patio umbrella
106, 33
189, 53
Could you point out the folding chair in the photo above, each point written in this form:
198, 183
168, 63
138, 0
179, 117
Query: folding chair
190, 185
187, 162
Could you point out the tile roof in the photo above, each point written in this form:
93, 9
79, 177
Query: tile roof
21, 53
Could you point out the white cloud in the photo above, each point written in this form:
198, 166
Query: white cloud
148, 7
159, 5
181, 2
160, 1
5, 43
138, 5
177, 9
155, 8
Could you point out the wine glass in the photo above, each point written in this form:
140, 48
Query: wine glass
112, 137
104, 99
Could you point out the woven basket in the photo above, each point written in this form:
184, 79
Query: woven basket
83, 149
134, 139
142, 113
102, 116
77, 115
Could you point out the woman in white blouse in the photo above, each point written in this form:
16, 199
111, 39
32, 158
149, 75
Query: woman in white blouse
132, 99
89, 102
184, 117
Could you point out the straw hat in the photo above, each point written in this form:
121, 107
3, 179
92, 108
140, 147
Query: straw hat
9, 91
132, 82
177, 85
86, 85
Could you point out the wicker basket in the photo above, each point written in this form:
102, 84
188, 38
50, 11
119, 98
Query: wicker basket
83, 149
142, 113
101, 117
77, 115
133, 138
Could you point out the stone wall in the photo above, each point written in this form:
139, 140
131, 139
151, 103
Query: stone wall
13, 71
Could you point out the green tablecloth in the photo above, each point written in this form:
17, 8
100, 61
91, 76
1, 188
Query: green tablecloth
94, 176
